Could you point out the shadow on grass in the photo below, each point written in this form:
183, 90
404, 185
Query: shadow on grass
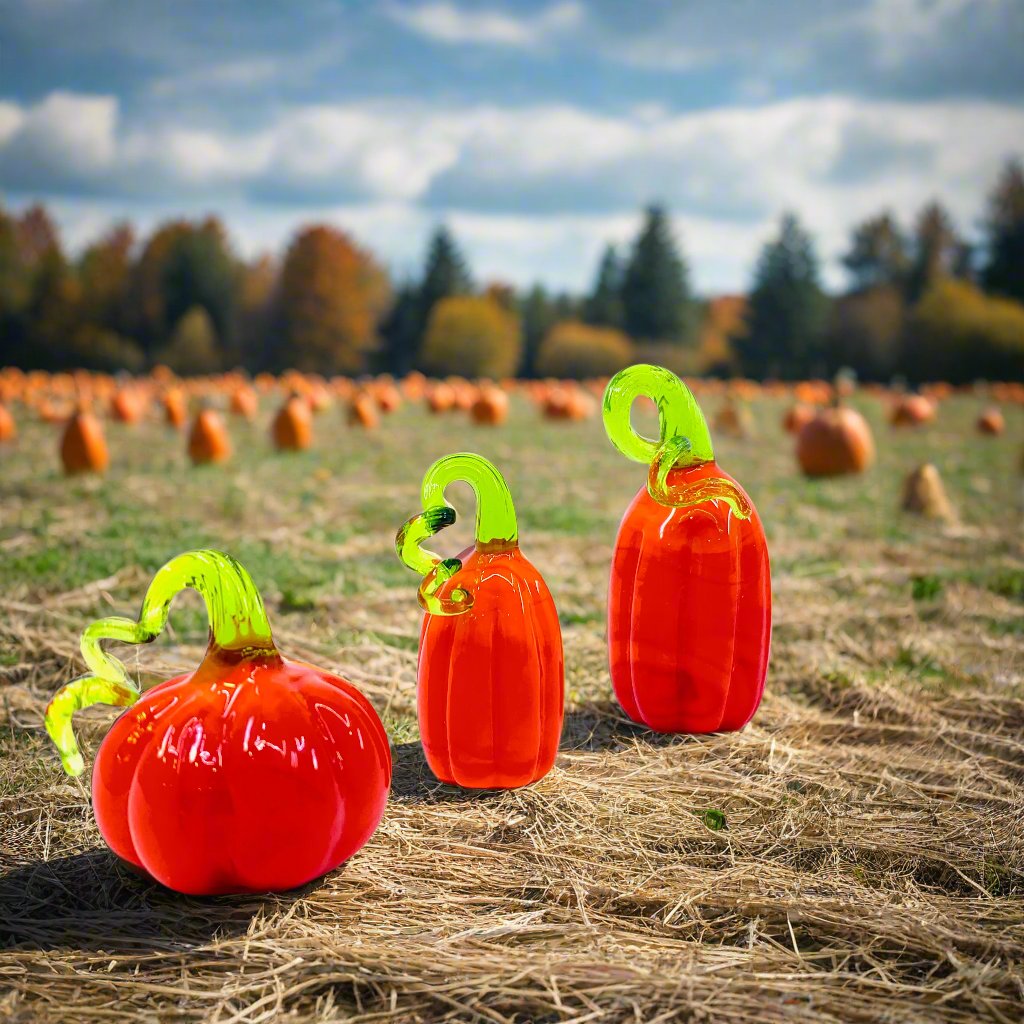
412, 781
596, 725
603, 725
91, 901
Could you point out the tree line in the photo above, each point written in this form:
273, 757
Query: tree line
921, 302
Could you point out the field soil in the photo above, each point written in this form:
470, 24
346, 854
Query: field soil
870, 863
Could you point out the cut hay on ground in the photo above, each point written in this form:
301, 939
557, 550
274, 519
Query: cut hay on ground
872, 863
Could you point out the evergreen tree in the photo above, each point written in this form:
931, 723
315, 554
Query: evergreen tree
538, 315
878, 253
445, 273
1004, 269
784, 335
603, 307
938, 251
400, 332
655, 291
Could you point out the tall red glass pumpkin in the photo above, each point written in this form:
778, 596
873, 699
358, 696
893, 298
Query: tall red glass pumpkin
689, 601
490, 693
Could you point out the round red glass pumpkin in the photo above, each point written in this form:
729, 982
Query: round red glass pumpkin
251, 774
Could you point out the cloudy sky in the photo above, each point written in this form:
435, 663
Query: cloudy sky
535, 128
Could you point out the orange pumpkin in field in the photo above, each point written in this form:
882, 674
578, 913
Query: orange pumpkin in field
813, 392
465, 393
567, 403
732, 420
836, 441
52, 412
414, 385
209, 440
318, 396
912, 411
83, 448
441, 397
362, 412
797, 417
991, 422
125, 406
389, 398
175, 408
8, 428
244, 402
292, 429
490, 407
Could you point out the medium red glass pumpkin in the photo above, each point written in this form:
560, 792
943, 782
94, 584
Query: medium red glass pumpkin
491, 690
689, 603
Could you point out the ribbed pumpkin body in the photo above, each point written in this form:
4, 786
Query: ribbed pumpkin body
491, 680
689, 612
248, 775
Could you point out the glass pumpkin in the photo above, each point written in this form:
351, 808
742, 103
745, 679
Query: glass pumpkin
254, 773
689, 600
491, 692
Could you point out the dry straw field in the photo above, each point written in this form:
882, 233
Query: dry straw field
871, 863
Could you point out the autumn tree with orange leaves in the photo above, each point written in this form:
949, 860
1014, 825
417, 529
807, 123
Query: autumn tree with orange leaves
330, 298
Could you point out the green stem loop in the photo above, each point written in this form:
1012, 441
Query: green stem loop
238, 622
669, 456
678, 413
685, 439
496, 527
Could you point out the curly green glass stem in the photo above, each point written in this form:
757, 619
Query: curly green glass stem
678, 412
495, 526
685, 439
671, 454
238, 622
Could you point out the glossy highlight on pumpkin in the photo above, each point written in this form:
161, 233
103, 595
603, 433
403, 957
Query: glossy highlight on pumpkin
253, 773
490, 695
689, 603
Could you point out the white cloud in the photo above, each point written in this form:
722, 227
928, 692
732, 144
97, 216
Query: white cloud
534, 190
11, 119
446, 22
380, 152
66, 136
